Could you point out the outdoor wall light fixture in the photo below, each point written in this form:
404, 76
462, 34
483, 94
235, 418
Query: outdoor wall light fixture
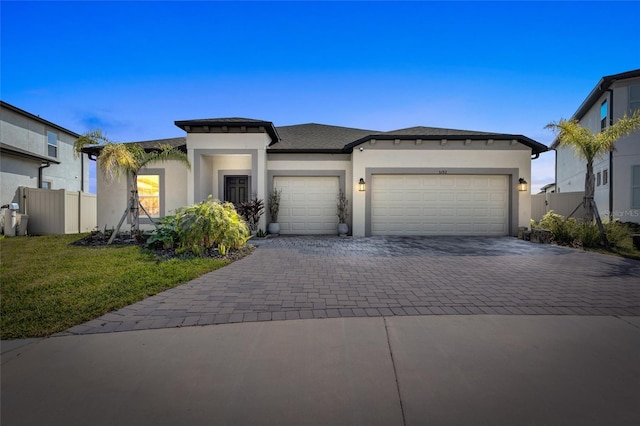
362, 185
522, 185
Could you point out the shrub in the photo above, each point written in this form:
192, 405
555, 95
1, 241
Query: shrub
585, 234
343, 207
251, 211
274, 204
209, 224
166, 235
588, 234
563, 231
616, 232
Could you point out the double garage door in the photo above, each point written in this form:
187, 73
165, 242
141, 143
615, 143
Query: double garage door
440, 205
401, 204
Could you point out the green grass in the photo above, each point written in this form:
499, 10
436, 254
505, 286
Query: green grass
48, 286
624, 249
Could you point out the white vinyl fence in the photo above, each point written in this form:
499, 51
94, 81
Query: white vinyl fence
562, 203
58, 211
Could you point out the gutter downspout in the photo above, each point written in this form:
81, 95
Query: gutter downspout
42, 166
610, 158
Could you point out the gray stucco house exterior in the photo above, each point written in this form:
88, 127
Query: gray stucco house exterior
413, 181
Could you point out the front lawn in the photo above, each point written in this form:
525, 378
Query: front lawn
48, 286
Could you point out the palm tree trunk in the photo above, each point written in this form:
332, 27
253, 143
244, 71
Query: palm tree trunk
589, 190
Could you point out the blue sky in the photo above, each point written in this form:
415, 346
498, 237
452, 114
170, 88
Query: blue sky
133, 68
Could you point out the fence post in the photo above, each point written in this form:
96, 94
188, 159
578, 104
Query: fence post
79, 212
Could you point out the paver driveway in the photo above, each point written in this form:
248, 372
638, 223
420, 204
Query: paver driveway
318, 277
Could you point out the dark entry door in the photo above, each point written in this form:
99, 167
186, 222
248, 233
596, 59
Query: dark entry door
236, 189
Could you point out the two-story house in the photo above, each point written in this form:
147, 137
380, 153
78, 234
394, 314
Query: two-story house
36, 153
41, 173
617, 190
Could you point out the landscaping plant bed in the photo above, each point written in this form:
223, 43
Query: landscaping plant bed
101, 239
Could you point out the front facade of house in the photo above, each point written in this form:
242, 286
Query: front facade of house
418, 181
36, 153
617, 190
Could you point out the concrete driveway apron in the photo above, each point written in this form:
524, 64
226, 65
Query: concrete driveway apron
326, 277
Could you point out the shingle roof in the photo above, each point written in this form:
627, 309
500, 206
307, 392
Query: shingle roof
178, 143
434, 131
315, 137
319, 138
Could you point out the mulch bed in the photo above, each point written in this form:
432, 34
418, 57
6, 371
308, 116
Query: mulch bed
100, 239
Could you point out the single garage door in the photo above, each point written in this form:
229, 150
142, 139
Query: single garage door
439, 205
308, 204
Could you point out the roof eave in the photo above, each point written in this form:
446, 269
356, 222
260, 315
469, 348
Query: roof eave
268, 126
535, 146
8, 149
3, 104
603, 85
306, 151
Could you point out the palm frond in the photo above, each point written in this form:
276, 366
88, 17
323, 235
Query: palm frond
116, 158
623, 127
92, 137
165, 153
581, 139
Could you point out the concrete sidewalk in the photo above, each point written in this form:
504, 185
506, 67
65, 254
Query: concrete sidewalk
436, 370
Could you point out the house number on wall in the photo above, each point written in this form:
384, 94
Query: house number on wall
442, 172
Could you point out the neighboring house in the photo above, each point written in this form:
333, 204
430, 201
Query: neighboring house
617, 190
418, 181
41, 173
549, 188
36, 153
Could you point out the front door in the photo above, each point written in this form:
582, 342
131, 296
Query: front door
236, 189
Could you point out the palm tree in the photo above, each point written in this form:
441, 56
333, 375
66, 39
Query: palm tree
590, 146
116, 159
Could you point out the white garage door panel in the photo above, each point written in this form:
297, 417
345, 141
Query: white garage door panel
308, 204
439, 205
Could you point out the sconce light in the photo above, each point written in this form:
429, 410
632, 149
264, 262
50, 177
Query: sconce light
522, 185
362, 185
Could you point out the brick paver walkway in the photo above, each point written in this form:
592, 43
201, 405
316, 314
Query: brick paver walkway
319, 277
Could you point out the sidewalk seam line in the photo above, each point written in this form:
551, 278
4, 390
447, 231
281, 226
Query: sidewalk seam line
395, 371
625, 321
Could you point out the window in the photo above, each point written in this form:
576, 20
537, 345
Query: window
149, 194
52, 144
635, 187
598, 179
604, 112
634, 98
45, 184
605, 176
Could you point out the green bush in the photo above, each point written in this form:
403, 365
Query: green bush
585, 234
210, 224
166, 235
588, 234
617, 232
563, 231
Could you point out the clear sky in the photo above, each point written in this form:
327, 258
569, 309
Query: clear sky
133, 68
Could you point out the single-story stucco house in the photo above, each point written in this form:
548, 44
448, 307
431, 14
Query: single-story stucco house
417, 181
